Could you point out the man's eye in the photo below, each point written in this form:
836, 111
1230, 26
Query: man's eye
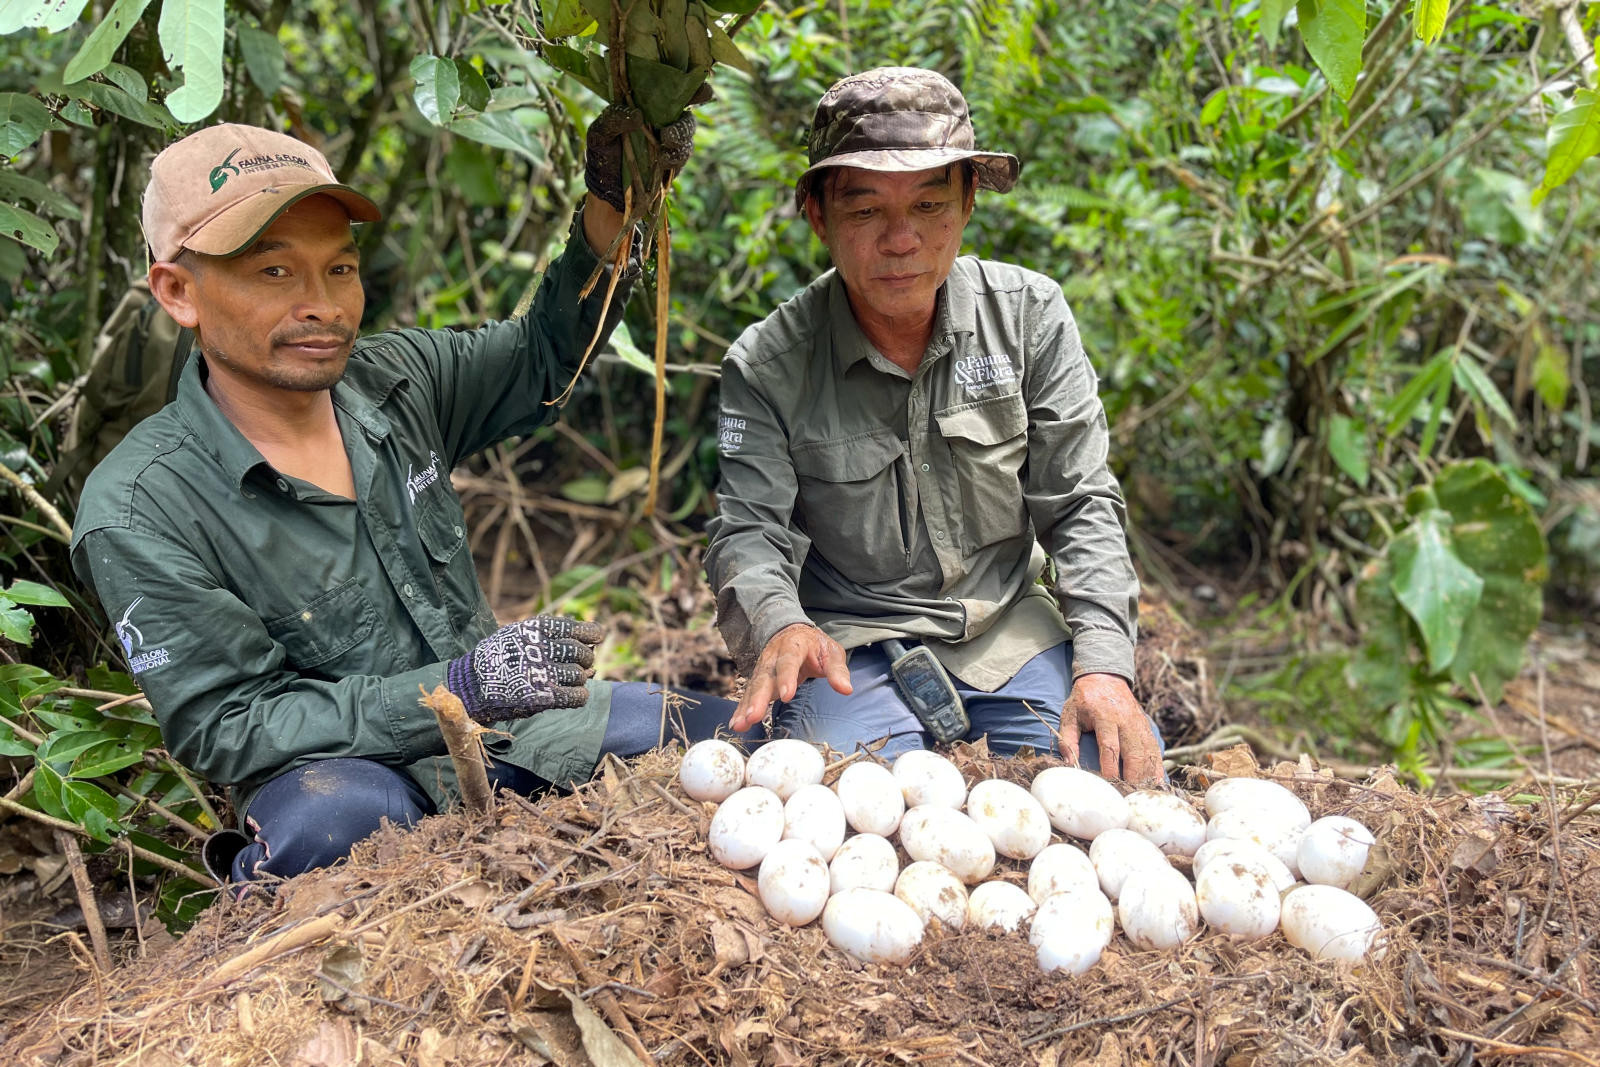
863, 214
275, 272
346, 269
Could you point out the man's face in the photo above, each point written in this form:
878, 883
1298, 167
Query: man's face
283, 313
893, 238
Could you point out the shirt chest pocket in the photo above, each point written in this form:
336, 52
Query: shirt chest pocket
851, 504
330, 636
988, 443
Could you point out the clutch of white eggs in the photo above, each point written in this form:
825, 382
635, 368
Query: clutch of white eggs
1260, 863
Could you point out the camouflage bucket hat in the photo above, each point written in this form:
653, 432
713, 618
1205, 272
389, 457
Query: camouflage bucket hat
898, 119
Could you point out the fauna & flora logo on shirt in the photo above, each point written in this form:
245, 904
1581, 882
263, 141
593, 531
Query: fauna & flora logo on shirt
730, 434
133, 638
976, 372
418, 480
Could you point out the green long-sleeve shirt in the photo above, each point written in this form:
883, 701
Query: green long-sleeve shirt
271, 623
879, 504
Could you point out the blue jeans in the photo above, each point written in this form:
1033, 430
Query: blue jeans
1024, 711
312, 816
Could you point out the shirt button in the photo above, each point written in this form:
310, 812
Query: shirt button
924, 468
939, 534
457, 529
283, 486
406, 589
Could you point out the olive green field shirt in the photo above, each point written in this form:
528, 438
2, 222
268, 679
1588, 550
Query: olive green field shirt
878, 504
273, 624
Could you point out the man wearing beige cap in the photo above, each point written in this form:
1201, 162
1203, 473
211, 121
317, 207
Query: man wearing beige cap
905, 447
280, 547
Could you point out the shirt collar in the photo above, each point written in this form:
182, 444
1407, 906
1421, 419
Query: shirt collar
364, 387
957, 312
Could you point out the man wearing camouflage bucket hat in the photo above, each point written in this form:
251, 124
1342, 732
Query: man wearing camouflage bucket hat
904, 447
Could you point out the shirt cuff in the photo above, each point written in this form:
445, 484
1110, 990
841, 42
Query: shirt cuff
775, 616
1102, 652
414, 728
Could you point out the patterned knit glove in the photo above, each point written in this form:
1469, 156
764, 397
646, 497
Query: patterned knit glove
603, 155
525, 668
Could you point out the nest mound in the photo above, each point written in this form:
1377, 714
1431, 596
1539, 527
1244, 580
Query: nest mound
593, 928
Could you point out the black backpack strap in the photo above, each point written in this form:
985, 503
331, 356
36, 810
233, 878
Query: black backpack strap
180, 358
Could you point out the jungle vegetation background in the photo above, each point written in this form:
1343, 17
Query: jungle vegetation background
1346, 334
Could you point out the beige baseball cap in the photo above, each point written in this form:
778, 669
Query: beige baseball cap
215, 191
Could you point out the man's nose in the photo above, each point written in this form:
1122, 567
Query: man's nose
899, 236
317, 303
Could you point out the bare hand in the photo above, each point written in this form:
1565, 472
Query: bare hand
794, 654
1103, 704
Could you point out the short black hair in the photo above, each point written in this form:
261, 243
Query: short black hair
817, 182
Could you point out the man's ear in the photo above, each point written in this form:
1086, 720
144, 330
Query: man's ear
174, 287
814, 216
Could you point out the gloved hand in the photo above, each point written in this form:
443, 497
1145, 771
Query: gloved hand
525, 668
603, 153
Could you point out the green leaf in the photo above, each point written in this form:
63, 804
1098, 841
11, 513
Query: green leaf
47, 790
104, 40
1573, 137
1550, 377
1403, 407
1436, 588
576, 63
64, 747
1214, 107
10, 743
629, 353
91, 808
263, 58
564, 18
128, 80
16, 624
24, 674
192, 39
662, 92
23, 591
1333, 31
438, 88
500, 129
107, 757
51, 15
723, 50
13, 261
1436, 405
1273, 12
1347, 444
590, 489
22, 120
1382, 668
14, 187
112, 99
473, 173
1475, 383
1428, 18
474, 89
734, 7
1367, 310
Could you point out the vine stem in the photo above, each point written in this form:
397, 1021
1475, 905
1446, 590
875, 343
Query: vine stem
31, 495
145, 854
663, 305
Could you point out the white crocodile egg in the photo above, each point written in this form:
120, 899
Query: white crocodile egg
865, 861
1059, 868
933, 893
1238, 898
1070, 930
1117, 854
873, 802
1241, 851
711, 770
813, 813
793, 882
944, 835
872, 925
1328, 922
1167, 821
784, 766
1157, 908
1012, 818
928, 778
1280, 838
1334, 850
1079, 802
745, 827
1268, 799
998, 905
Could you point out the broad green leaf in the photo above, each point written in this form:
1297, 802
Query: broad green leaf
22, 120
263, 58
734, 7
52, 15
192, 39
1382, 667
628, 352
1367, 310
662, 92
1498, 206
1428, 18
1212, 111
10, 743
474, 89
14, 187
104, 40
578, 65
1334, 31
24, 675
47, 791
1496, 534
564, 18
91, 808
438, 88
590, 489
1550, 377
473, 172
723, 50
1277, 439
1475, 383
500, 129
1347, 444
16, 624
62, 748
1436, 406
1573, 137
1436, 588
1403, 407
23, 591
112, 99
128, 80
106, 757
1273, 12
